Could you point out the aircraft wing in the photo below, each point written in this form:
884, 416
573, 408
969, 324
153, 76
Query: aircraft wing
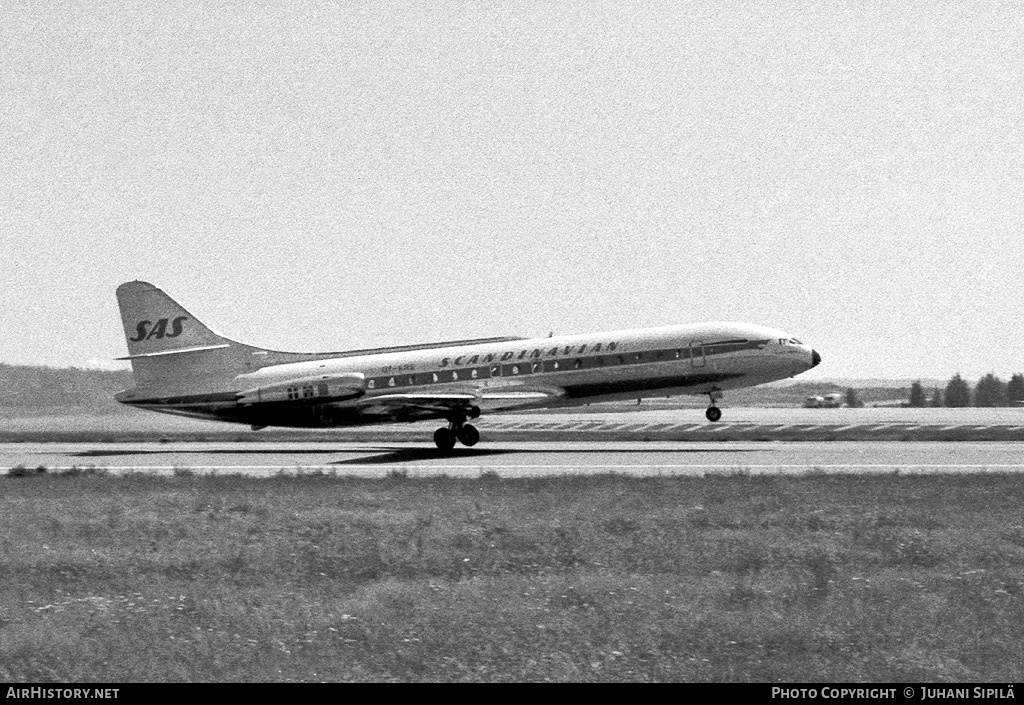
442, 401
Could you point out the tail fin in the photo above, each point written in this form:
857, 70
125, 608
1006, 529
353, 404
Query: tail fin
171, 351
155, 324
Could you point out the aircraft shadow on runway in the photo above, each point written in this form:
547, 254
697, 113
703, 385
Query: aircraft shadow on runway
405, 455
391, 454
211, 451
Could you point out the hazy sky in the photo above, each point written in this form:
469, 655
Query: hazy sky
321, 176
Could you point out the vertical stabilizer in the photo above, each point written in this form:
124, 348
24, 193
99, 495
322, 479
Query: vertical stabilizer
154, 323
172, 352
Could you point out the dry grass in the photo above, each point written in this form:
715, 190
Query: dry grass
750, 578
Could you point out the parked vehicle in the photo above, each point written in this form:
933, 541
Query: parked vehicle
833, 401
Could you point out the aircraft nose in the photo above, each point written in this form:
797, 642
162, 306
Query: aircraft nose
815, 358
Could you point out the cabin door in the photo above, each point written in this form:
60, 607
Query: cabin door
697, 354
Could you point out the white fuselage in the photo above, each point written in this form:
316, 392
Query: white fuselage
557, 371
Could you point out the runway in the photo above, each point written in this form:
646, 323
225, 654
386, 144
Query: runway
518, 459
591, 425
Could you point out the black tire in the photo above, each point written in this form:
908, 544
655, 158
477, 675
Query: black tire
713, 413
444, 439
468, 435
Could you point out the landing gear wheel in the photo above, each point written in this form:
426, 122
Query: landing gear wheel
444, 438
713, 413
467, 435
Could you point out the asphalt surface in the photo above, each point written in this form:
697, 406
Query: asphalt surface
641, 441
625, 423
513, 459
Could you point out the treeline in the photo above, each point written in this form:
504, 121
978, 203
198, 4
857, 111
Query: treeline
23, 386
989, 391
794, 394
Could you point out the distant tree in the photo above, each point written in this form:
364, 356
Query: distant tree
852, 400
990, 391
958, 393
1015, 389
936, 399
917, 394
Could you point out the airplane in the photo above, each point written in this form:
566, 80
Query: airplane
180, 366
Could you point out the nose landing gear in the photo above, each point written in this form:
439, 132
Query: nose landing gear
458, 430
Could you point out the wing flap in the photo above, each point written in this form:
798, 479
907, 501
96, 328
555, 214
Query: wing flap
415, 398
447, 400
524, 396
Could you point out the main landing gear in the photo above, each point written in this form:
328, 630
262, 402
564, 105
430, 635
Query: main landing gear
713, 413
458, 430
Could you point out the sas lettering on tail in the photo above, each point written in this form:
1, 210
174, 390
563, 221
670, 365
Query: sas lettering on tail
159, 330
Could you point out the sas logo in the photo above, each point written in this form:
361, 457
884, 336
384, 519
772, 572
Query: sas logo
159, 330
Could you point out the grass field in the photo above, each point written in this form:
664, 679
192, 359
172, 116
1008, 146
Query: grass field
309, 578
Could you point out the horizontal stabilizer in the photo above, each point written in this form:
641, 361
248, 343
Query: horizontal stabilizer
174, 352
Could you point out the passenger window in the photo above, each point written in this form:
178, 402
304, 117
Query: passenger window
371, 384
435, 377
515, 369
495, 370
578, 364
474, 373
455, 376
536, 367
412, 380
